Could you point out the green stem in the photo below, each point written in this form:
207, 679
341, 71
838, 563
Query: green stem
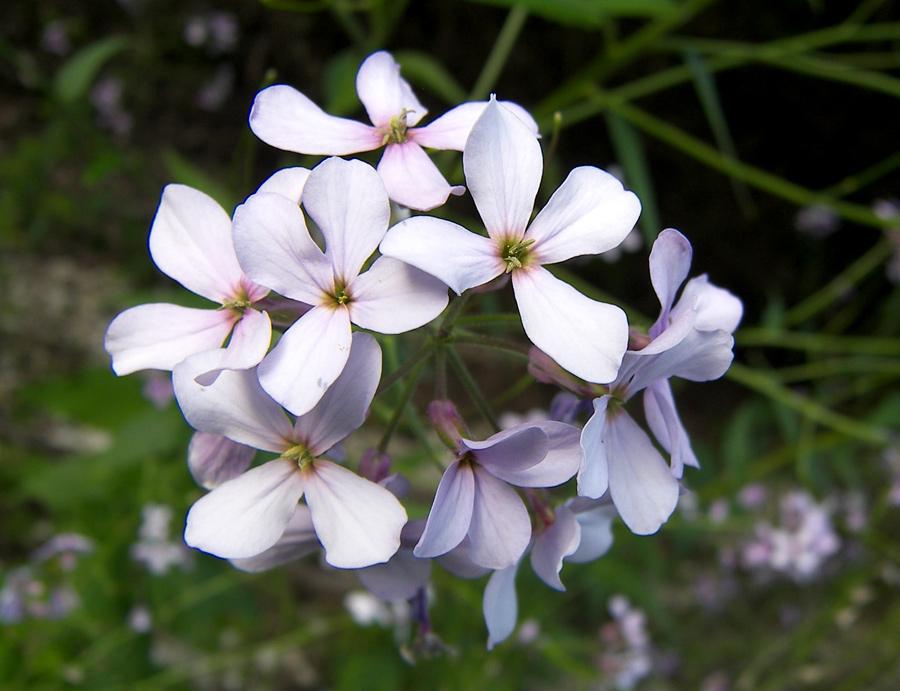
400, 408
424, 351
836, 367
503, 46
518, 350
818, 342
472, 388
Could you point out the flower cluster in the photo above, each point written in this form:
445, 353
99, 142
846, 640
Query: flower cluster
308, 273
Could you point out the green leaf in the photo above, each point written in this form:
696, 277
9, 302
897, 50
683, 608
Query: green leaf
629, 148
340, 84
74, 78
588, 13
187, 173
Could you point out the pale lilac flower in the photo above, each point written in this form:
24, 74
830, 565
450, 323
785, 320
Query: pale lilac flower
190, 241
474, 498
357, 521
347, 201
628, 656
153, 548
66, 547
55, 37
817, 221
692, 340
753, 496
214, 92
589, 214
106, 97
285, 118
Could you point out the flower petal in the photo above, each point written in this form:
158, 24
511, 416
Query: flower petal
670, 262
234, 405
593, 478
641, 485
412, 179
159, 335
286, 119
275, 249
452, 129
503, 166
457, 257
357, 521
249, 343
515, 449
500, 606
297, 541
348, 202
214, 459
398, 579
451, 513
288, 182
245, 516
596, 533
562, 461
384, 93
557, 542
700, 356
501, 528
586, 337
716, 307
394, 297
664, 422
344, 405
190, 241
589, 213
308, 358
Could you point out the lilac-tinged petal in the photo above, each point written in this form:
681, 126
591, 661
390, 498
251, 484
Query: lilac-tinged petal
700, 356
557, 542
457, 562
510, 451
357, 521
394, 297
596, 534
288, 182
500, 606
589, 213
286, 119
670, 330
343, 406
399, 579
586, 337
245, 516
663, 420
500, 529
503, 165
190, 241
641, 485
451, 130
384, 93
451, 513
412, 179
275, 249
457, 257
234, 405
593, 478
309, 357
716, 307
297, 541
563, 459
213, 459
670, 261
159, 335
348, 202
249, 343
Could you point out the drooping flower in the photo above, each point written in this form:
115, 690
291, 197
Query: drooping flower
691, 340
357, 521
589, 214
474, 498
347, 201
190, 241
283, 117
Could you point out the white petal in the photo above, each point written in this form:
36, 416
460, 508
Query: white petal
384, 93
214, 459
190, 241
451, 513
700, 356
670, 261
245, 516
308, 358
234, 405
503, 165
586, 337
288, 182
399, 579
412, 179
553, 545
275, 249
596, 534
298, 540
593, 479
590, 213
249, 343
457, 257
348, 202
159, 336
501, 528
357, 521
451, 130
641, 485
394, 297
343, 407
716, 307
562, 461
500, 606
286, 119
663, 420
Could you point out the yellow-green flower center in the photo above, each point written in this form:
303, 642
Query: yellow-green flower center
515, 254
396, 131
241, 302
298, 454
